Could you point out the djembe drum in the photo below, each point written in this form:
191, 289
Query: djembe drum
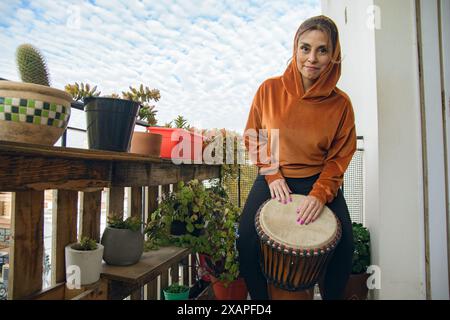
294, 256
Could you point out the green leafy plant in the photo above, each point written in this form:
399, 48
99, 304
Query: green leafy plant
189, 205
81, 91
176, 288
361, 254
32, 65
219, 224
220, 241
86, 244
131, 223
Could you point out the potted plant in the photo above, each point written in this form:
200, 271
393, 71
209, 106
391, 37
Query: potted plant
181, 213
31, 111
176, 292
173, 147
123, 241
110, 120
217, 247
357, 284
87, 256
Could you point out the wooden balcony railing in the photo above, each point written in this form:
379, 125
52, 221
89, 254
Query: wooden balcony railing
78, 177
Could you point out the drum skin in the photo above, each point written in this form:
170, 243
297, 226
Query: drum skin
294, 256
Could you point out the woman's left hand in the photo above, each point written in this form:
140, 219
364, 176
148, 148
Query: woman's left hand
309, 210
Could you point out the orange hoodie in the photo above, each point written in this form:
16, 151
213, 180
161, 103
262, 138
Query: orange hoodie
316, 128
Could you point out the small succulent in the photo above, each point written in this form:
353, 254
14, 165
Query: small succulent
86, 244
144, 96
81, 91
32, 65
148, 114
131, 223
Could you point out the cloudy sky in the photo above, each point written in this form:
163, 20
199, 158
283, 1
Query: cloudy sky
206, 57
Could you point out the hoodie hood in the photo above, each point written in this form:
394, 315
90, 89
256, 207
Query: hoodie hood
324, 85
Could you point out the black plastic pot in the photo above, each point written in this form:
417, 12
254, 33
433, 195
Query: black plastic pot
110, 123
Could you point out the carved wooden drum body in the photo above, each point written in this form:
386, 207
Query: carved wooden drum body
293, 256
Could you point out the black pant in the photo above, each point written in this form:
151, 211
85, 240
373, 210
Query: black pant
340, 266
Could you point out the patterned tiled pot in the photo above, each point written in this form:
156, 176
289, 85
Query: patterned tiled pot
32, 113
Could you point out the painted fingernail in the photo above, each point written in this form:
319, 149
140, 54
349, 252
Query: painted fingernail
302, 222
290, 199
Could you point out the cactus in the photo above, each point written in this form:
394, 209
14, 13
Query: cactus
32, 66
79, 92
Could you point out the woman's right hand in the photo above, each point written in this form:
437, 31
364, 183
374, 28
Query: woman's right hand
280, 190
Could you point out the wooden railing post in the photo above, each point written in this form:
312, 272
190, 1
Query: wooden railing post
135, 203
27, 245
152, 288
175, 273
164, 281
64, 230
186, 266
115, 201
90, 214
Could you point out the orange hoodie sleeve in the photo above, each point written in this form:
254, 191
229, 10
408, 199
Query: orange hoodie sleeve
251, 133
338, 158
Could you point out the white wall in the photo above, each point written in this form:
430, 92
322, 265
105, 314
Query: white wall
380, 74
436, 217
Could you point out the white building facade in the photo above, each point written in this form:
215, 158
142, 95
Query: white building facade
396, 70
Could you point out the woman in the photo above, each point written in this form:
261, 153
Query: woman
316, 142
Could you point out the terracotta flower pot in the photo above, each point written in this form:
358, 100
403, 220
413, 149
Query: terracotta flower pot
236, 290
33, 113
146, 143
357, 287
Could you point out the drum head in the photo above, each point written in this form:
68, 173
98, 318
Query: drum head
279, 222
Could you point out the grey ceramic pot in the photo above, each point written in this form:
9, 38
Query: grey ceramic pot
123, 247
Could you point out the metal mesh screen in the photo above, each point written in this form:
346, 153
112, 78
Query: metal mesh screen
352, 186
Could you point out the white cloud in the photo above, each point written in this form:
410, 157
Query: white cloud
206, 57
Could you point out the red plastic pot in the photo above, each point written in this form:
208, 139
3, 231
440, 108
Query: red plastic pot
171, 137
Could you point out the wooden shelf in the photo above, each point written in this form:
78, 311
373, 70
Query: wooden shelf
29, 170
35, 167
152, 263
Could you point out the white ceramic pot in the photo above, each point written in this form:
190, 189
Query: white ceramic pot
33, 113
89, 263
